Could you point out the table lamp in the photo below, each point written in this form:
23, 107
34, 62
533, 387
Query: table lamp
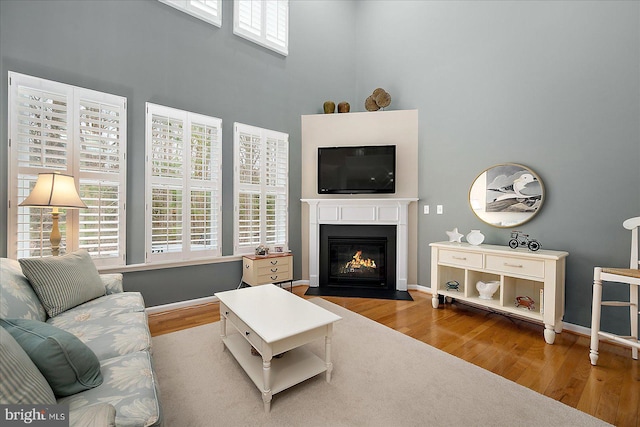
54, 190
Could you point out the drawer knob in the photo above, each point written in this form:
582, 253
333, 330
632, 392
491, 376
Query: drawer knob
273, 262
274, 278
274, 270
247, 333
226, 313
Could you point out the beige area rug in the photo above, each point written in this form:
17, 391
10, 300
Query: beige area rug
380, 378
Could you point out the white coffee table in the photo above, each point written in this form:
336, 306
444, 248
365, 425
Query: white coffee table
274, 321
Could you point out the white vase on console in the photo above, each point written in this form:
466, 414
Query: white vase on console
487, 289
475, 237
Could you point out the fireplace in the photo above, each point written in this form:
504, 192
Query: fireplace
358, 256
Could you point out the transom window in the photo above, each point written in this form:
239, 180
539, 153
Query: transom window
265, 22
207, 10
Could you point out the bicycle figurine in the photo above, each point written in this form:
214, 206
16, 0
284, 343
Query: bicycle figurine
518, 238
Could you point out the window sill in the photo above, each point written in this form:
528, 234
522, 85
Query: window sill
158, 266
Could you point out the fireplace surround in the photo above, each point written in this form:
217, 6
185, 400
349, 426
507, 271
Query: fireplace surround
380, 211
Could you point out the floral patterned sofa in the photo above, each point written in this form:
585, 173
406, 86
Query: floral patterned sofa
113, 326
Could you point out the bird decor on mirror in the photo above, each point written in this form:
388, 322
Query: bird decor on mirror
377, 100
519, 192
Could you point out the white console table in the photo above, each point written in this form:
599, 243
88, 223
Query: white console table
539, 275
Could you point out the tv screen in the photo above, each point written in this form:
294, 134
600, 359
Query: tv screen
357, 170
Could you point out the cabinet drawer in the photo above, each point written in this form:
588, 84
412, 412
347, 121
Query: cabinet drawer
242, 327
271, 262
516, 266
281, 269
460, 258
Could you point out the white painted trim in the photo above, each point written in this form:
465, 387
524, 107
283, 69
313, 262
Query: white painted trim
160, 265
198, 301
387, 211
180, 304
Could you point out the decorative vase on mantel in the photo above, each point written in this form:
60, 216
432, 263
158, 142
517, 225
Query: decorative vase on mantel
475, 237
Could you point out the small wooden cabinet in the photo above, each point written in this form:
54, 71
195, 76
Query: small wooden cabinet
263, 269
538, 275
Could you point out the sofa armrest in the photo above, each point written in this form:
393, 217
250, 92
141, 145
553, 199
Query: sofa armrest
112, 282
100, 415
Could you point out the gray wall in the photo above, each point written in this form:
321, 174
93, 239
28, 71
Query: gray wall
551, 85
147, 51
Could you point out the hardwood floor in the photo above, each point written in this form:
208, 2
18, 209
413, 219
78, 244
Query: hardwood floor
509, 347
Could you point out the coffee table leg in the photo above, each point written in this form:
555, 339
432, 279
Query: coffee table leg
223, 330
327, 352
266, 377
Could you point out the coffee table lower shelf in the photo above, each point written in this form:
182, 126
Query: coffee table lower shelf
295, 366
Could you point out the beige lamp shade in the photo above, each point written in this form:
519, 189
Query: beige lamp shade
54, 190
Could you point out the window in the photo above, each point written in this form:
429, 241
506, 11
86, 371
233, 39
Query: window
79, 132
261, 177
207, 10
265, 22
183, 185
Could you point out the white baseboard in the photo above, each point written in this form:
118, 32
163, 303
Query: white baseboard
198, 301
577, 329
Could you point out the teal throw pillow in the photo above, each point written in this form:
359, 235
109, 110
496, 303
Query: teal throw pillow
21, 383
63, 282
66, 362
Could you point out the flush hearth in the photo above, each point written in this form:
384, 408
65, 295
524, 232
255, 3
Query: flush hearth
358, 256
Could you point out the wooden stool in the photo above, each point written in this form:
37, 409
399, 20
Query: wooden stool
630, 276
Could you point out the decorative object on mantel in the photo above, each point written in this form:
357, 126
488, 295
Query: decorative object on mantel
518, 238
344, 107
475, 237
526, 302
377, 100
329, 107
454, 236
487, 289
262, 250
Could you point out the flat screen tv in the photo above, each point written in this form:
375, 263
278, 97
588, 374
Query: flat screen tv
357, 170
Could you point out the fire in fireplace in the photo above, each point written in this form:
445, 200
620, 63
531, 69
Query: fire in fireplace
357, 256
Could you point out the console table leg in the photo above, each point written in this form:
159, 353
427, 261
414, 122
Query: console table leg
549, 334
434, 300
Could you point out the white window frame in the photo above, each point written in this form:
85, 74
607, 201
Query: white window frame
182, 181
270, 178
92, 140
269, 26
199, 9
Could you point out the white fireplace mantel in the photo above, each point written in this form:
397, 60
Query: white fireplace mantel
387, 211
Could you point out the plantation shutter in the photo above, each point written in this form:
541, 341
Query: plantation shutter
265, 22
102, 159
58, 127
207, 10
261, 182
183, 184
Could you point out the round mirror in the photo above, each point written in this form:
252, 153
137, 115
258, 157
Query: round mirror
506, 195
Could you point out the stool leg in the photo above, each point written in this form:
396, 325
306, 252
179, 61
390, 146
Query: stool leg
633, 298
595, 314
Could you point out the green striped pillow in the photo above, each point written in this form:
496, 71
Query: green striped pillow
63, 282
21, 383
